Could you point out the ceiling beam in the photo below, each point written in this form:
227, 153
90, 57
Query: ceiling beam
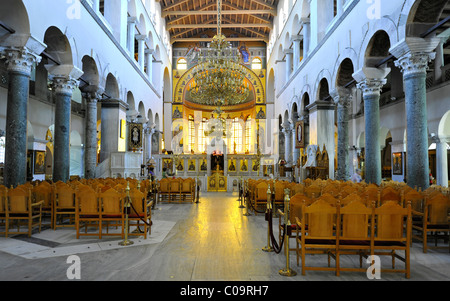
213, 12
262, 2
238, 39
236, 25
212, 4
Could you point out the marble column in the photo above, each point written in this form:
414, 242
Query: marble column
289, 53
441, 161
296, 40
342, 98
131, 31
287, 131
141, 51
414, 66
91, 135
19, 62
371, 81
306, 36
63, 88
414, 54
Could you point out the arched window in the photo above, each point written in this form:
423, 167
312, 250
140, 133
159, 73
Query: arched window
256, 63
182, 64
236, 140
201, 136
248, 134
191, 128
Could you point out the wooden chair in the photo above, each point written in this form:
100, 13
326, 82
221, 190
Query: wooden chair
354, 237
3, 196
295, 213
141, 211
279, 193
88, 213
434, 219
317, 235
390, 194
44, 192
64, 205
260, 195
297, 188
20, 207
188, 189
175, 190
392, 226
163, 190
313, 190
112, 213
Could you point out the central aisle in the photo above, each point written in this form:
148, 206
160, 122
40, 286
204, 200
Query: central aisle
215, 241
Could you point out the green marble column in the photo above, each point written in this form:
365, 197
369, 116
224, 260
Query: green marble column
371, 89
63, 87
414, 67
19, 63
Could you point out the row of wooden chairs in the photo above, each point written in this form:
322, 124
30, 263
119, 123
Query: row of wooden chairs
353, 229
434, 217
18, 209
63, 202
176, 190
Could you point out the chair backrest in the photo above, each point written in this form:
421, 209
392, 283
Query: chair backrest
87, 201
390, 194
138, 200
352, 197
330, 199
164, 185
3, 196
320, 217
43, 193
416, 199
111, 202
296, 205
437, 209
279, 191
175, 185
355, 220
18, 200
187, 185
261, 191
297, 188
65, 196
389, 219
313, 190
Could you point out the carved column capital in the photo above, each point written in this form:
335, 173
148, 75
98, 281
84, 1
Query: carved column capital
20, 59
415, 63
342, 96
371, 86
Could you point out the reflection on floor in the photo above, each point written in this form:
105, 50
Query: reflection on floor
211, 240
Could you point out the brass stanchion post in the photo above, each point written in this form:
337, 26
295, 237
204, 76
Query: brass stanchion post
287, 271
246, 199
127, 206
241, 193
268, 248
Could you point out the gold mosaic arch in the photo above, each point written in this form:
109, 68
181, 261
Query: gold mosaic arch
256, 81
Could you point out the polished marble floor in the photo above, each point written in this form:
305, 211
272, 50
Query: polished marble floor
209, 241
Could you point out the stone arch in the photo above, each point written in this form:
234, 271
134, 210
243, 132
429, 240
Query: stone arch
14, 14
306, 10
344, 73
58, 46
132, 8
131, 102
305, 102
444, 125
323, 90
112, 87
167, 92
296, 25
141, 110
271, 87
157, 122
90, 79
150, 116
377, 48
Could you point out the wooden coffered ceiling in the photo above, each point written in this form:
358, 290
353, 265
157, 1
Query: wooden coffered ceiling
243, 20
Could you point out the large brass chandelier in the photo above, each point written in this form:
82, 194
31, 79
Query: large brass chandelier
219, 78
